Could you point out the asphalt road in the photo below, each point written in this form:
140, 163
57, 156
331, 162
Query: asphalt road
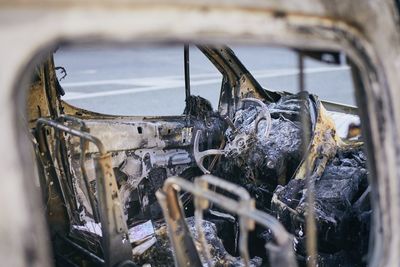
150, 80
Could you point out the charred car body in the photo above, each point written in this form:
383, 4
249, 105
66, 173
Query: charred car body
105, 180
122, 173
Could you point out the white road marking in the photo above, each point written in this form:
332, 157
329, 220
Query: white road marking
89, 71
74, 94
169, 82
142, 81
135, 90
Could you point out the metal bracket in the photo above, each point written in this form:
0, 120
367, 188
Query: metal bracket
115, 239
183, 245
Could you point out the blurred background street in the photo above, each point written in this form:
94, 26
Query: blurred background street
150, 80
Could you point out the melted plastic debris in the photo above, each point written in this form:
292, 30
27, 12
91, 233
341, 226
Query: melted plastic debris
160, 254
343, 228
268, 161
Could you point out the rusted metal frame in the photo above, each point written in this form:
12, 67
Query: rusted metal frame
185, 252
311, 238
41, 168
245, 208
59, 152
57, 206
51, 172
50, 87
42, 144
56, 125
115, 240
61, 157
333, 14
200, 205
83, 146
50, 83
245, 224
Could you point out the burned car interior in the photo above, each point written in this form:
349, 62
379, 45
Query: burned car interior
263, 179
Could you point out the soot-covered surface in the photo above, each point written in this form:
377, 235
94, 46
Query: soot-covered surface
265, 166
268, 160
342, 220
160, 254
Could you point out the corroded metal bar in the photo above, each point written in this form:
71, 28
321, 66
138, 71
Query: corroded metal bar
42, 121
244, 208
311, 239
185, 253
245, 224
115, 239
83, 146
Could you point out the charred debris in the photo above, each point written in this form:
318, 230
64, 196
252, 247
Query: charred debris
256, 149
269, 166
